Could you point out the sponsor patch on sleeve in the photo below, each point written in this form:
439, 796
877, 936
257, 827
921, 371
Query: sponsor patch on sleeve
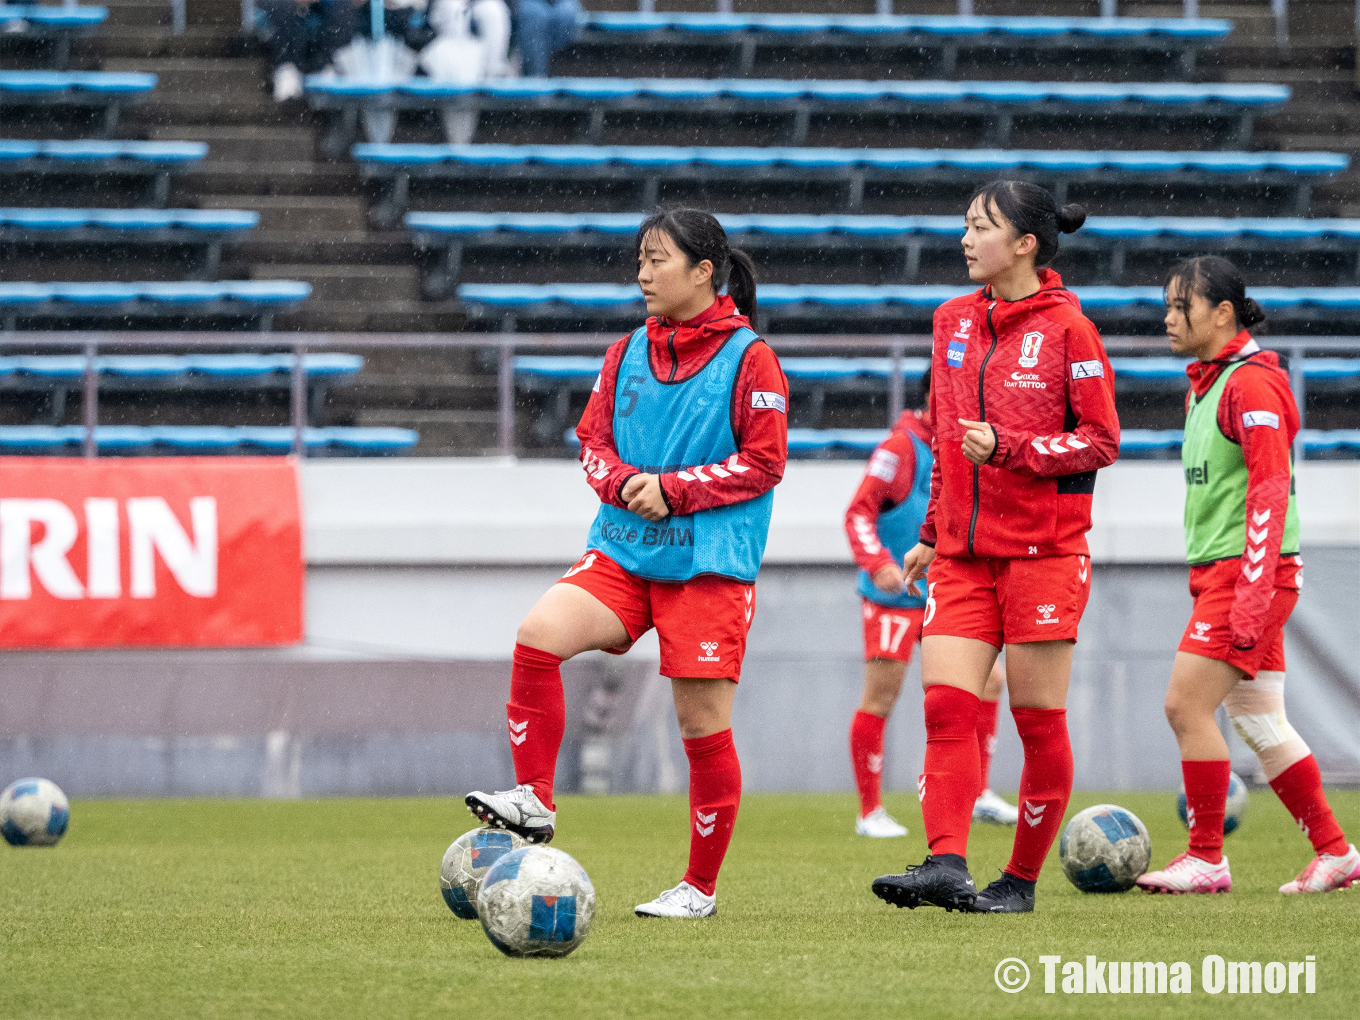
953, 357
883, 464
1268, 418
596, 387
768, 400
1088, 369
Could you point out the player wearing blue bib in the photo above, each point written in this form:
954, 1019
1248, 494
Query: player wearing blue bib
683, 439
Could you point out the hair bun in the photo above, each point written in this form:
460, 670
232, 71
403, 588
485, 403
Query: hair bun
1071, 217
1252, 313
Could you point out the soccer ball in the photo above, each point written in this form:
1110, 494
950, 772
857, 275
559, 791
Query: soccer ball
466, 863
1232, 814
536, 901
33, 812
1104, 849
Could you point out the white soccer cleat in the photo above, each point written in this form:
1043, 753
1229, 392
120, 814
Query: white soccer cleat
1187, 874
287, 83
682, 901
990, 808
518, 810
1326, 872
879, 825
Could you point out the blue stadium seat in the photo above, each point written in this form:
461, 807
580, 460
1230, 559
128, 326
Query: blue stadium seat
74, 83
277, 439
56, 24
645, 166
204, 230
229, 368
781, 302
251, 299
948, 35
152, 160
995, 102
1113, 237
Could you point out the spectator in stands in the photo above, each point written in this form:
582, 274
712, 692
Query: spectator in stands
304, 35
542, 27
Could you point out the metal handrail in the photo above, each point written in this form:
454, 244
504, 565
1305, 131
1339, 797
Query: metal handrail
507, 345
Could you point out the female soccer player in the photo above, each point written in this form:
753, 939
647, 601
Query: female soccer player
882, 523
1022, 400
683, 439
1242, 541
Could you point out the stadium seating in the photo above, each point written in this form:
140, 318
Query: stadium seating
742, 34
152, 160
783, 303
59, 24
146, 439
251, 300
994, 103
60, 375
646, 166
205, 230
450, 234
108, 91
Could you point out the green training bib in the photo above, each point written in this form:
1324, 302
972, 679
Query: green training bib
1216, 485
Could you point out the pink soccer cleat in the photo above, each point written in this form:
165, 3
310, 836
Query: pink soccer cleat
1326, 872
1187, 874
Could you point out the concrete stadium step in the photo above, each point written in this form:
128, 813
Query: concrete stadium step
405, 316
348, 282
232, 177
297, 213
247, 143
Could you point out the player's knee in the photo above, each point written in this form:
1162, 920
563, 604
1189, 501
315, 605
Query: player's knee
1256, 710
1183, 717
538, 630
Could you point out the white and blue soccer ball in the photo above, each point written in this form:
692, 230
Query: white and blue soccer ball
536, 901
466, 863
33, 812
1104, 849
1232, 813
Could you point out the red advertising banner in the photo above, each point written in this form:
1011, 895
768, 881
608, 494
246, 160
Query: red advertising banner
168, 551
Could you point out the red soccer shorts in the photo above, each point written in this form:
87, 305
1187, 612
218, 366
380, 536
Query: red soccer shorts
890, 633
1208, 633
1007, 601
701, 623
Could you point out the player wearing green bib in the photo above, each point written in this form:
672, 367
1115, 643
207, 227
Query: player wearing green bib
1242, 542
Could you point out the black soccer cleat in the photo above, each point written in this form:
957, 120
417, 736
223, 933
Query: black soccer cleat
1007, 895
940, 879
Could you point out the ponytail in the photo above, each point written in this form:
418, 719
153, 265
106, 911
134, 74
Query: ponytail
1031, 210
700, 236
741, 284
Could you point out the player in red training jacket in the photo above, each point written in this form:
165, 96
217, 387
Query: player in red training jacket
882, 524
1022, 401
683, 439
1242, 542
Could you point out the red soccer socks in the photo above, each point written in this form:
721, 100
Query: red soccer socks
714, 796
537, 716
986, 734
1206, 798
1045, 786
866, 755
1300, 788
950, 781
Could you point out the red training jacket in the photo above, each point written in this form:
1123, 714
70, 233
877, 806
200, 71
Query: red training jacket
1036, 372
677, 350
887, 482
1259, 385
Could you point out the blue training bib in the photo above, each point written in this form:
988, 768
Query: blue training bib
899, 529
660, 427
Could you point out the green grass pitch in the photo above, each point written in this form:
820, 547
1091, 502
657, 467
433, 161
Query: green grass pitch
331, 909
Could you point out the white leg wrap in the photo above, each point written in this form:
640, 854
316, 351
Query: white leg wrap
1256, 710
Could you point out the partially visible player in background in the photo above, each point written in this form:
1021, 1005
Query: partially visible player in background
882, 523
1242, 542
1022, 403
683, 439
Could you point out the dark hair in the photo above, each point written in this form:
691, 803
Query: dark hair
1031, 210
1216, 280
700, 236
925, 388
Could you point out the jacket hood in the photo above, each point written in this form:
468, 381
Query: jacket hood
1203, 373
911, 421
1051, 293
718, 321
